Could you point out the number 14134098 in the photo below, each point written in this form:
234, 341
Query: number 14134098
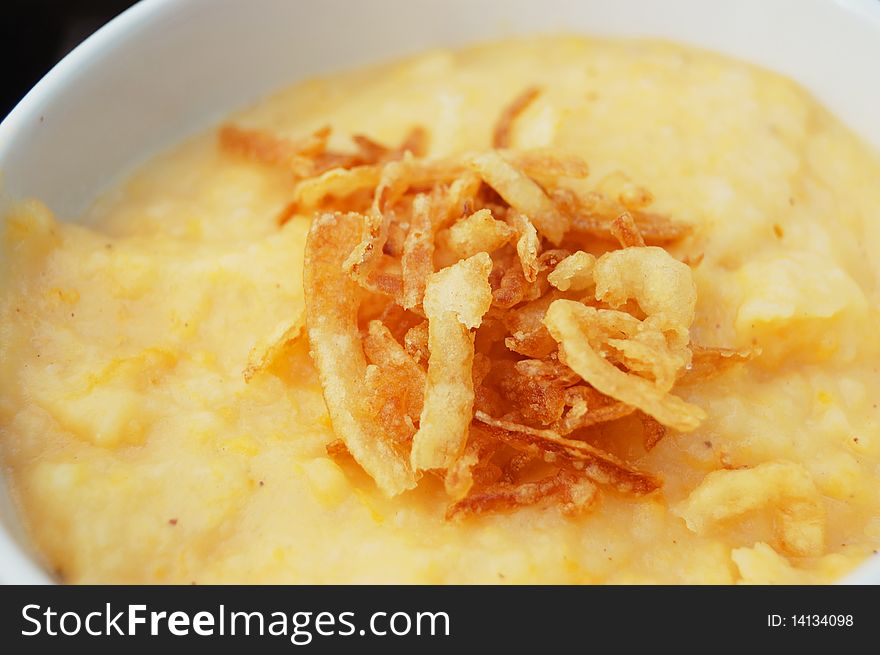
810, 620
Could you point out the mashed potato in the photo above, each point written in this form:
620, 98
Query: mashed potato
138, 453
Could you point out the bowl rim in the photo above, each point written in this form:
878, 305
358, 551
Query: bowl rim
19, 566
52, 82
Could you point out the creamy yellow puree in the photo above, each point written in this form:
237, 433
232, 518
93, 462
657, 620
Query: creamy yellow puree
137, 452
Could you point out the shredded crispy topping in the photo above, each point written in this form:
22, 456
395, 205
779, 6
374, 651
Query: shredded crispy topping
504, 125
476, 318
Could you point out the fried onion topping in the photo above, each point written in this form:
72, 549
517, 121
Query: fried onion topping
478, 318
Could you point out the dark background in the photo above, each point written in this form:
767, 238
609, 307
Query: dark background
35, 34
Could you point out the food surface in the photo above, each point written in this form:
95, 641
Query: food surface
558, 310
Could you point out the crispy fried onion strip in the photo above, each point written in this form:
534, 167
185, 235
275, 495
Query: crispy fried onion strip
664, 289
653, 431
284, 335
456, 299
708, 362
583, 415
340, 183
574, 273
478, 232
785, 488
332, 302
400, 373
504, 125
574, 492
309, 156
593, 214
581, 332
429, 213
625, 230
654, 349
522, 193
546, 165
266, 148
366, 255
528, 246
594, 463
337, 183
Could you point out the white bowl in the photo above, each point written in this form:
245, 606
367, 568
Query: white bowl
166, 68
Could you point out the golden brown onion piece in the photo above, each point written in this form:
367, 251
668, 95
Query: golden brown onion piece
332, 302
